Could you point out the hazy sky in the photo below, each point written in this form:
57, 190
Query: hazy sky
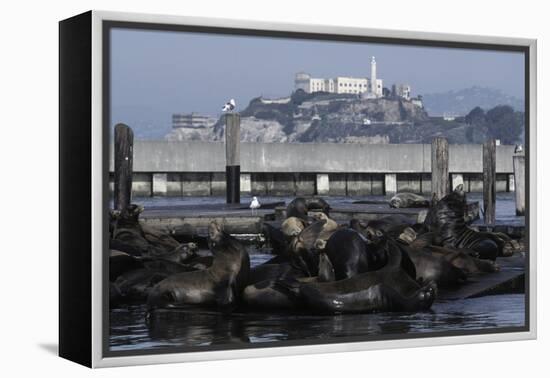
161, 73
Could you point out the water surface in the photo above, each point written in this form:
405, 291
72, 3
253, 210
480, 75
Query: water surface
130, 329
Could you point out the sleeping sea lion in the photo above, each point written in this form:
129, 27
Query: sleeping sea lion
408, 200
220, 285
382, 290
264, 294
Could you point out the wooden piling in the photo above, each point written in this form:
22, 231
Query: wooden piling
519, 183
124, 153
440, 167
489, 181
232, 157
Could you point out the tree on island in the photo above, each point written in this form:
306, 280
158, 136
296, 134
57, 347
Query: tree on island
504, 124
475, 117
500, 122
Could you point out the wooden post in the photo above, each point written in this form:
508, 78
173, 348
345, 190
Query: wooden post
489, 181
519, 183
440, 167
124, 153
232, 157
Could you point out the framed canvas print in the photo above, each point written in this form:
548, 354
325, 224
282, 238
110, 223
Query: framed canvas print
233, 189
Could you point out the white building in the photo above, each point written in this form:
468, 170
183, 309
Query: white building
341, 84
350, 84
402, 90
192, 120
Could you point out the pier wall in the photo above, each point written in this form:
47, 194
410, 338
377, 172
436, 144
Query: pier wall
198, 168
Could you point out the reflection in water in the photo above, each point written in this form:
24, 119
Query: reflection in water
130, 329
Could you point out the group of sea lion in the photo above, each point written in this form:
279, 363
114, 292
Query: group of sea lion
141, 256
319, 266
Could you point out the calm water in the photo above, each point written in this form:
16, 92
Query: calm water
505, 205
130, 330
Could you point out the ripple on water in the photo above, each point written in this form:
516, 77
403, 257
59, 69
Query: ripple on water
130, 331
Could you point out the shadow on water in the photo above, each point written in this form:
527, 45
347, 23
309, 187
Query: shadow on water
130, 330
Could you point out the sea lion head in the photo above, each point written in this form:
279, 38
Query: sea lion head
320, 216
292, 226
408, 235
114, 215
215, 234
319, 244
186, 251
128, 216
374, 235
396, 202
358, 225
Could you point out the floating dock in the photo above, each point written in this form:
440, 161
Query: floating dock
510, 279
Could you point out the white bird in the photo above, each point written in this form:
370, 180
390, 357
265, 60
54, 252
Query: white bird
229, 106
255, 204
518, 149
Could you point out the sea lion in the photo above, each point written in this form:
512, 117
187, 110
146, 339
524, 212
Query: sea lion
297, 208
132, 237
268, 272
292, 226
382, 290
159, 239
392, 225
408, 200
446, 218
464, 260
435, 268
329, 227
264, 294
352, 253
317, 203
182, 254
201, 262
220, 285
276, 239
120, 263
407, 235
426, 239
302, 250
326, 269
126, 231
135, 285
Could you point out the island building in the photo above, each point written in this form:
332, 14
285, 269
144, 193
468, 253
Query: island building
401, 90
369, 87
192, 120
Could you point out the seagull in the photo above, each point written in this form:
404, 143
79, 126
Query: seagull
229, 106
254, 205
519, 149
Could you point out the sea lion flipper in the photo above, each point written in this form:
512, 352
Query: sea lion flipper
224, 293
311, 233
288, 286
326, 269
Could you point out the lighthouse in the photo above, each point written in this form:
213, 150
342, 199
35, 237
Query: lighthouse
373, 82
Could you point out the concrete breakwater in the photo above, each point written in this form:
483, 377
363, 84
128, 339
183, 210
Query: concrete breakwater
166, 168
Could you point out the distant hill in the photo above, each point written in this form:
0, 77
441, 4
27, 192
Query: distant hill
460, 102
346, 118
318, 117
